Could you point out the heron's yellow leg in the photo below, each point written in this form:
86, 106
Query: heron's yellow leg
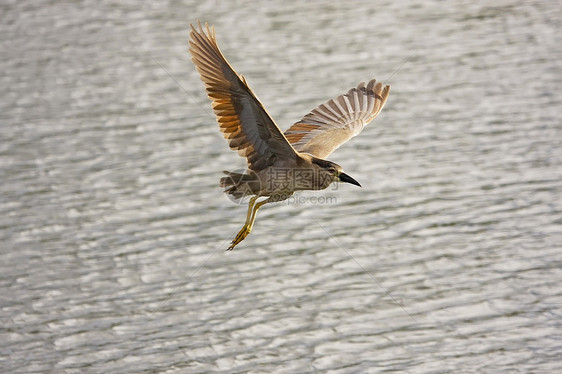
244, 230
250, 206
255, 211
250, 218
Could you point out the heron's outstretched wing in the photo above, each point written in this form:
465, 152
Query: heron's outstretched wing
243, 120
331, 124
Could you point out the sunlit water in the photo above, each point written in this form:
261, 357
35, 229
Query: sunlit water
113, 226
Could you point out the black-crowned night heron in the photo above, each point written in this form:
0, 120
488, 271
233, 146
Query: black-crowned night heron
278, 163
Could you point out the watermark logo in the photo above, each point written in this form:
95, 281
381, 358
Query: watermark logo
280, 183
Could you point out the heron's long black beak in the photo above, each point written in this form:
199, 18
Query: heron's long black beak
346, 178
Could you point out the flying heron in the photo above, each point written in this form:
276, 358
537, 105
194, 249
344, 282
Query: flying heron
278, 163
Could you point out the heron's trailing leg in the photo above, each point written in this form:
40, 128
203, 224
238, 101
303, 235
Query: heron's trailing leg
250, 218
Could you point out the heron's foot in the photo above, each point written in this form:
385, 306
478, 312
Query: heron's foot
244, 231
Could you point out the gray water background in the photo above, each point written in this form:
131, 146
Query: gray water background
113, 226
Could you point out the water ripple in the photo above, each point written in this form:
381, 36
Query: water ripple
114, 227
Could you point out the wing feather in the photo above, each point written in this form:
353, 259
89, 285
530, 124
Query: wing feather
333, 123
242, 118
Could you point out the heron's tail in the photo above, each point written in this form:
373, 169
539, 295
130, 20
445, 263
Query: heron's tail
240, 185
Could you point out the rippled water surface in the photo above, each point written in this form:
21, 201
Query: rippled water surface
113, 227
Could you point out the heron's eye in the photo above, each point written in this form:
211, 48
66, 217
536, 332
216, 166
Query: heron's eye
332, 170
